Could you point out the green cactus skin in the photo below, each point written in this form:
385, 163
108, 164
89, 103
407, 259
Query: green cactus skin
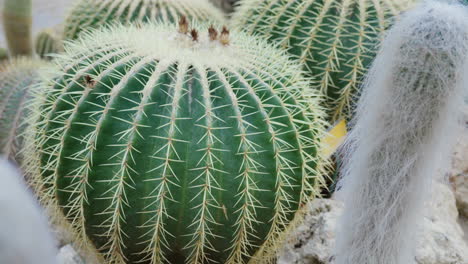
17, 23
48, 42
95, 13
3, 54
195, 150
16, 78
334, 40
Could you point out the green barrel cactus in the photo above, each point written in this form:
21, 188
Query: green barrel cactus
16, 78
95, 13
201, 148
17, 23
48, 42
334, 40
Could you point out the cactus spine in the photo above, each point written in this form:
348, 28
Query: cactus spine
197, 150
17, 23
95, 13
16, 78
334, 40
48, 42
404, 133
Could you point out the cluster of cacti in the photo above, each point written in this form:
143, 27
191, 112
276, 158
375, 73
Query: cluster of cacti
88, 14
47, 43
17, 23
333, 40
24, 234
170, 144
16, 78
405, 129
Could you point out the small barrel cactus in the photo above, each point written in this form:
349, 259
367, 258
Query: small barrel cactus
48, 42
95, 13
334, 40
201, 148
16, 78
17, 23
405, 130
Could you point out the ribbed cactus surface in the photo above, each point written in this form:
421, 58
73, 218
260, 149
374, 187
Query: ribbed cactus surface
335, 40
16, 78
166, 144
17, 23
96, 13
48, 42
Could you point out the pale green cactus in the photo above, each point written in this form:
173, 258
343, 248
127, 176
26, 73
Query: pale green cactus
88, 14
17, 76
17, 23
201, 148
335, 40
47, 43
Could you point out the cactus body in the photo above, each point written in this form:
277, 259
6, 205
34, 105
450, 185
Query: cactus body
48, 42
96, 13
16, 78
195, 150
404, 133
335, 40
17, 23
226, 5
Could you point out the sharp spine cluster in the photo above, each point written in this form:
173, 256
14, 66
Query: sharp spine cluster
206, 149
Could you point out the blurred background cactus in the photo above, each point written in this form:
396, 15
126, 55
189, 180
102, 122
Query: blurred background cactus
227, 5
17, 76
200, 149
87, 14
334, 40
24, 233
48, 42
17, 23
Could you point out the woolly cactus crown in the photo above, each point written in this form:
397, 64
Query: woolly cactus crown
335, 40
96, 13
163, 144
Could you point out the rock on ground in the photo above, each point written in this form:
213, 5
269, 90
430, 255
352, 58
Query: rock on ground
441, 239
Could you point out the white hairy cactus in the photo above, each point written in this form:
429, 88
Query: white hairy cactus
403, 133
24, 237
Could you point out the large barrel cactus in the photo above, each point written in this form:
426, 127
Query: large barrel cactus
95, 13
165, 144
334, 40
16, 78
